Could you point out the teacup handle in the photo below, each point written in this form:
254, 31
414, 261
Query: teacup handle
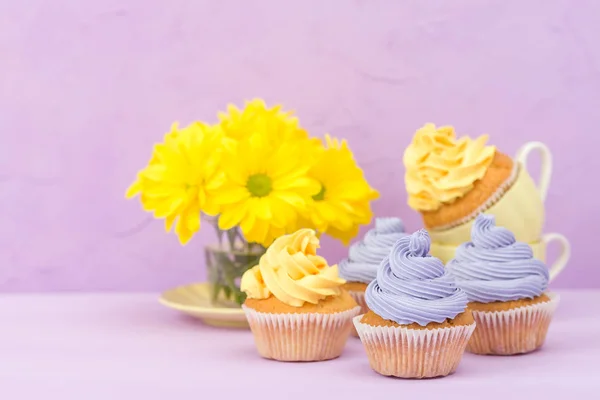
546, 170
563, 258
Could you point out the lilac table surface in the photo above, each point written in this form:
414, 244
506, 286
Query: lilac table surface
127, 346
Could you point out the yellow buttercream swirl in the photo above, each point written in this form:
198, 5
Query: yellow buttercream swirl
441, 168
292, 271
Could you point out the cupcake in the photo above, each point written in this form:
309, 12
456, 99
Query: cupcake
506, 288
295, 305
418, 325
364, 257
450, 180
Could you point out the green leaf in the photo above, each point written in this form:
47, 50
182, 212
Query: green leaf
240, 297
228, 291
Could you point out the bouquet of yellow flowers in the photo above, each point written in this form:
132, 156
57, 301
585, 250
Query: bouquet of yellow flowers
256, 175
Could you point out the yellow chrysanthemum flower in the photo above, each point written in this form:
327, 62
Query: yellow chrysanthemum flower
255, 117
179, 180
343, 202
267, 186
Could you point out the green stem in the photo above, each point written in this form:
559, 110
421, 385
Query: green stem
231, 235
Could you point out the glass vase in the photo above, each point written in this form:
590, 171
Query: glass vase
226, 262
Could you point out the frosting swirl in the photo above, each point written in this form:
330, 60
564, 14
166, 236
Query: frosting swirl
441, 168
495, 267
292, 271
365, 256
412, 286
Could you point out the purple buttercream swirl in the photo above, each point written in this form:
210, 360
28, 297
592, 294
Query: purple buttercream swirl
412, 286
365, 256
495, 267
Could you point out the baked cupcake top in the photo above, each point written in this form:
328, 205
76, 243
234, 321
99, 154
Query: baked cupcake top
441, 168
292, 271
493, 266
365, 256
413, 287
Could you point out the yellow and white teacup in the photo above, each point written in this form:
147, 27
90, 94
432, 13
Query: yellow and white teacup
520, 209
446, 252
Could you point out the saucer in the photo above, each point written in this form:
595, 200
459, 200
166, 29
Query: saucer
194, 300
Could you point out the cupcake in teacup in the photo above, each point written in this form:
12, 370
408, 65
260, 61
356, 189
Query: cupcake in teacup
451, 180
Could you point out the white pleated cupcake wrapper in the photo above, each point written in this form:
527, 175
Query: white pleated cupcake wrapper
302, 336
359, 297
493, 199
516, 331
414, 353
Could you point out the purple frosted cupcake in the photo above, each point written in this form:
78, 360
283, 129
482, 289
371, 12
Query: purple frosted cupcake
506, 287
360, 268
418, 325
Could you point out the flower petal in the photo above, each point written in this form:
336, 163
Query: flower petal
232, 194
262, 208
232, 216
134, 189
292, 198
169, 220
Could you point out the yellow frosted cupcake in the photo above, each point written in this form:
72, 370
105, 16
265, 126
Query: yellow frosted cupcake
295, 305
451, 180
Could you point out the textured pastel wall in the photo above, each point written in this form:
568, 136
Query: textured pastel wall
86, 87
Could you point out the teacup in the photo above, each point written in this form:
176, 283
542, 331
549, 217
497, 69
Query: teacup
521, 207
446, 252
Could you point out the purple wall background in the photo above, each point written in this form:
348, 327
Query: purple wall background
87, 87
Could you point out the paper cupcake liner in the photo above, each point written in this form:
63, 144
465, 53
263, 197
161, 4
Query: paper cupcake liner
493, 199
516, 331
359, 297
414, 353
302, 336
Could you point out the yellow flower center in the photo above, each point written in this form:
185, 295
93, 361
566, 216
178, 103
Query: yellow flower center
321, 195
259, 185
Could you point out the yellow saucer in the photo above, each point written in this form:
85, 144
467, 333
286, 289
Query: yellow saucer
194, 300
